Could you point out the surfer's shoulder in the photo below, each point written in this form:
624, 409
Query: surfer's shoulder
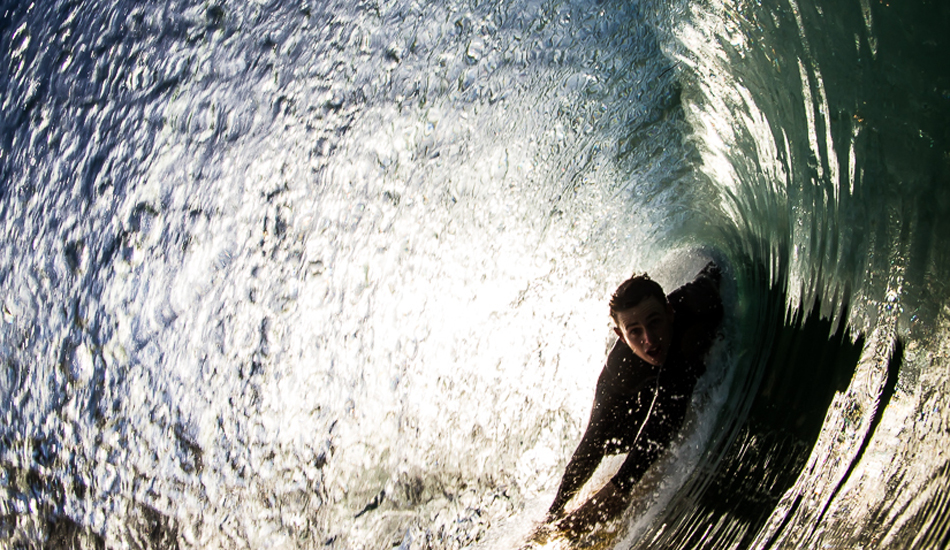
700, 294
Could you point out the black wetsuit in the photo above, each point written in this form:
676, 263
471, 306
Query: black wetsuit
638, 407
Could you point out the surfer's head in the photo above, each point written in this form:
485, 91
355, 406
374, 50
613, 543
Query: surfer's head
644, 318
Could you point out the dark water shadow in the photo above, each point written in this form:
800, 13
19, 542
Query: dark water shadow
803, 364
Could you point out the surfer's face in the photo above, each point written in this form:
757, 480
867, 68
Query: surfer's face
647, 329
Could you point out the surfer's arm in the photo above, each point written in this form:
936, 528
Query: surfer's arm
604, 506
604, 424
702, 293
584, 461
700, 305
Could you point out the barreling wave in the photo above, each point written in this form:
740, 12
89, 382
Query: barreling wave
815, 122
334, 275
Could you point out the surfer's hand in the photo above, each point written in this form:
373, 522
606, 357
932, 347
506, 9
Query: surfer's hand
602, 507
554, 514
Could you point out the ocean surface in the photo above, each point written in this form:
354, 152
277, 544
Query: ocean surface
334, 274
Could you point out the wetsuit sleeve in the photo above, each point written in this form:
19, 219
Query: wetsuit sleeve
588, 454
699, 306
701, 295
605, 426
591, 449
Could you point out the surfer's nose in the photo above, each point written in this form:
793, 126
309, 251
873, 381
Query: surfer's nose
649, 337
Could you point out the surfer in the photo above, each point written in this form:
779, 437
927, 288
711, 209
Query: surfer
643, 391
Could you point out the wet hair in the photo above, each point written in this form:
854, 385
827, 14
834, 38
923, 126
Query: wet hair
633, 291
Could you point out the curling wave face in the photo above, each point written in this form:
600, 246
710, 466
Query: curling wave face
333, 275
820, 126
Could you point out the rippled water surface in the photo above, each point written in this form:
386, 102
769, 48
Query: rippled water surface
316, 275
